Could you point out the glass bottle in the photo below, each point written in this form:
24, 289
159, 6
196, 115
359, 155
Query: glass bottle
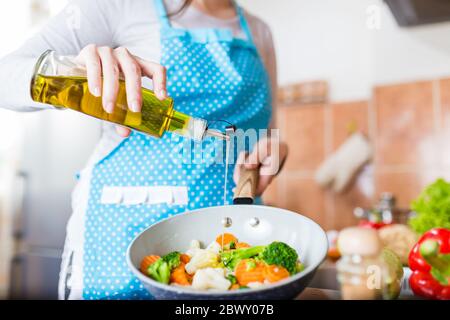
362, 273
60, 81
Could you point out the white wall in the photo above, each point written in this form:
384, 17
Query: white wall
51, 146
331, 39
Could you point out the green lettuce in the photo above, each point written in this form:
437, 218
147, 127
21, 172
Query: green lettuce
432, 208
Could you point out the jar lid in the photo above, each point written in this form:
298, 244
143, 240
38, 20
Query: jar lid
357, 240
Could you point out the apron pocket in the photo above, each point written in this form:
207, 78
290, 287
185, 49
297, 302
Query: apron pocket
170, 195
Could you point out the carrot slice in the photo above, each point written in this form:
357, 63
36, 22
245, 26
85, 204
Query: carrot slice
235, 287
246, 273
226, 238
241, 245
179, 276
185, 258
273, 273
147, 262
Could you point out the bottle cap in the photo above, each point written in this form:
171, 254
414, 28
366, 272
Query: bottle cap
196, 129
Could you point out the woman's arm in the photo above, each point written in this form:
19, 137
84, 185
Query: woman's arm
269, 154
263, 38
79, 24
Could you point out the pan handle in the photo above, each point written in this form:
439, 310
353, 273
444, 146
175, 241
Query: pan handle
245, 191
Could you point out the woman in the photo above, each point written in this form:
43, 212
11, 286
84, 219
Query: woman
217, 62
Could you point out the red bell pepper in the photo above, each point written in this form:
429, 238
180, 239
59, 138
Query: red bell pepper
430, 262
372, 224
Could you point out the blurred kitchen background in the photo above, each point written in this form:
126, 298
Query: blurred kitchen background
345, 67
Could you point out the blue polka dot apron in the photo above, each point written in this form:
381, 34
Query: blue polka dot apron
211, 75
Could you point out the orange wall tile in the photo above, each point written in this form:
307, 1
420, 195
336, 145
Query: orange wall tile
304, 196
303, 129
444, 136
405, 117
347, 117
406, 186
409, 125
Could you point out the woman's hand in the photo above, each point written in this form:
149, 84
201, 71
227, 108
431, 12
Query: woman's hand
104, 66
269, 155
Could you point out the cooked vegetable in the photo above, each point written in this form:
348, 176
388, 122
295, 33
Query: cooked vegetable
281, 254
299, 267
242, 245
230, 259
226, 238
147, 261
159, 271
432, 208
214, 247
185, 258
255, 285
273, 273
235, 287
236, 265
430, 262
210, 278
179, 276
246, 275
172, 259
193, 247
232, 278
202, 259
251, 264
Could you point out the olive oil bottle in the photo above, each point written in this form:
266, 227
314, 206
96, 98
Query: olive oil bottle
59, 81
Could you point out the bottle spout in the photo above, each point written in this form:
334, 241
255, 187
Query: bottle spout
229, 131
217, 134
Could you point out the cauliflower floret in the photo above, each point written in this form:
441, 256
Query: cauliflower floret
193, 247
210, 278
214, 247
255, 285
202, 258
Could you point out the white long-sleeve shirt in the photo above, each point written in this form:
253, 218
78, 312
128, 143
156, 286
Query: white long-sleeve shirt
128, 23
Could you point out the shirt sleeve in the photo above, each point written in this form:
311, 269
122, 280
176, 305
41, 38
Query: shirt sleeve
81, 23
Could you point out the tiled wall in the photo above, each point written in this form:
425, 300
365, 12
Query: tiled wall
409, 126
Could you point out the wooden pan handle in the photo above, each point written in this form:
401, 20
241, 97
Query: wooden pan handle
245, 191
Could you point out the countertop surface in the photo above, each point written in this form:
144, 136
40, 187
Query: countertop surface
325, 286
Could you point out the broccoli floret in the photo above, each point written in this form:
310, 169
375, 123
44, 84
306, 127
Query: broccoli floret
159, 271
232, 245
172, 259
280, 254
232, 279
230, 259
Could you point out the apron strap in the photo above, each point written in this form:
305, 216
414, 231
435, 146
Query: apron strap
162, 14
244, 23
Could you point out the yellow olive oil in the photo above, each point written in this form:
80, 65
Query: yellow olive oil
72, 92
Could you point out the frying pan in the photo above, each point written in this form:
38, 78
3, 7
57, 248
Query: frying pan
257, 225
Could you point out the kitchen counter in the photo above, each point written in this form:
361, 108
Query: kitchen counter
325, 286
